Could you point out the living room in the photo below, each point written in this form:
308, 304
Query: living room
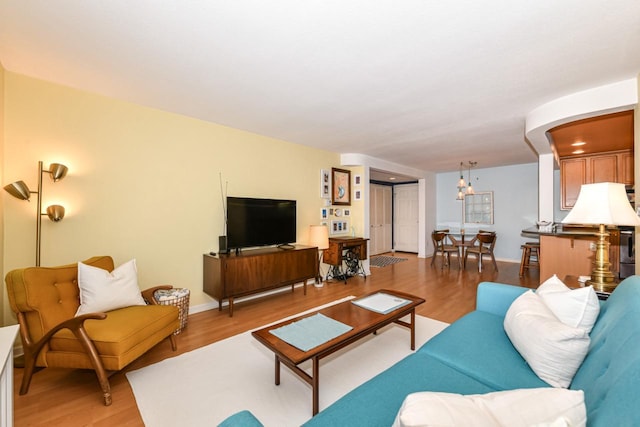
148, 183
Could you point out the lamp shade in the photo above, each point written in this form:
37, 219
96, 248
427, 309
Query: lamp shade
602, 203
319, 236
19, 190
57, 171
55, 213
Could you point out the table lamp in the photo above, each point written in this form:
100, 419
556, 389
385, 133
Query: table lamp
602, 204
319, 236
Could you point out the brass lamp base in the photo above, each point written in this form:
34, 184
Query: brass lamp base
602, 279
602, 285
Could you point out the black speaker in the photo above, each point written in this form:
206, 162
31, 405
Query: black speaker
222, 245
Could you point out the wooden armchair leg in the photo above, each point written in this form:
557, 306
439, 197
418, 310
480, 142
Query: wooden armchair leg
101, 373
29, 369
174, 343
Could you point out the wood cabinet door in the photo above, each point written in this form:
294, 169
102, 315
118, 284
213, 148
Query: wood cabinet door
247, 274
603, 169
573, 173
625, 166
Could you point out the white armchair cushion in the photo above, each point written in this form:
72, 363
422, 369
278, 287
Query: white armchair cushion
513, 408
553, 350
574, 307
102, 291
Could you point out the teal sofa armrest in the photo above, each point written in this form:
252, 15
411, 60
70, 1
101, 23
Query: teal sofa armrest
241, 419
496, 298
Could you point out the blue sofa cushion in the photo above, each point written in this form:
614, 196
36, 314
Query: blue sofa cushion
377, 401
478, 346
610, 374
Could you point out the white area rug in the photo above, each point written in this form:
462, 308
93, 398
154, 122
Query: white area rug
204, 386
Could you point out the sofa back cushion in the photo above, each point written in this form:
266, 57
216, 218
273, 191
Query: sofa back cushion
610, 372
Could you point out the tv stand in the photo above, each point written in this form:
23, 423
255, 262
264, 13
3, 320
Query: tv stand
229, 276
286, 247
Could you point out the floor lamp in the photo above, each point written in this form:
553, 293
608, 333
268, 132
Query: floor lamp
602, 204
319, 237
21, 191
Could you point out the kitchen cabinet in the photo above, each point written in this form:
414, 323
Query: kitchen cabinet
605, 167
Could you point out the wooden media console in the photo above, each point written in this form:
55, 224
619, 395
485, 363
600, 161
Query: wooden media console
229, 276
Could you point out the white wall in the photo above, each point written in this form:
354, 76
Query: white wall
515, 197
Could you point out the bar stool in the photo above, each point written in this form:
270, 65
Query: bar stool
529, 249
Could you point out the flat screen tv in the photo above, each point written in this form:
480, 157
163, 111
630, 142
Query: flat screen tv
260, 222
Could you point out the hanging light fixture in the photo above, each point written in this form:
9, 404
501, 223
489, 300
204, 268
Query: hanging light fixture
461, 185
470, 189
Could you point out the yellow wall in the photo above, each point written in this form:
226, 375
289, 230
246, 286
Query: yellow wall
142, 183
3, 293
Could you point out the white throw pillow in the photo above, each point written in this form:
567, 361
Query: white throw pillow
553, 350
574, 307
513, 408
102, 291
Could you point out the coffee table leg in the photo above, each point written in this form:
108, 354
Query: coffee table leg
413, 329
277, 370
315, 384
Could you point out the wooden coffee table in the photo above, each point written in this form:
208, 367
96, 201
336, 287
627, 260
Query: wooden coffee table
363, 321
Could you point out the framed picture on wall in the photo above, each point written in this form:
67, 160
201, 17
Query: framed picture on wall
325, 184
339, 226
358, 194
341, 186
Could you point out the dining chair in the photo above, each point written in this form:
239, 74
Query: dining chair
486, 243
440, 245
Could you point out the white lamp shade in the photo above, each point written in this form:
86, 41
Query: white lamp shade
602, 203
319, 236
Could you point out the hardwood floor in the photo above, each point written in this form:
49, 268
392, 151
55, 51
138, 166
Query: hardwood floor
73, 398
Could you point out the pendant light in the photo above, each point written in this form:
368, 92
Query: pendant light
470, 189
461, 185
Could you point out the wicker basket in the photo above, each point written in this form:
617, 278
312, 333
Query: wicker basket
178, 297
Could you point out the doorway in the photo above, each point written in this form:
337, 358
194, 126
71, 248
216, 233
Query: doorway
405, 218
380, 218
394, 224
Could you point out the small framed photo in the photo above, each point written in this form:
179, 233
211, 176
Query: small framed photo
324, 213
347, 212
340, 186
357, 195
357, 180
325, 184
339, 226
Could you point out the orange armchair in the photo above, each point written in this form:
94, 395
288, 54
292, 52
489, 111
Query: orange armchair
45, 300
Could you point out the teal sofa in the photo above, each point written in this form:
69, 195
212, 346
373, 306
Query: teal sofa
474, 355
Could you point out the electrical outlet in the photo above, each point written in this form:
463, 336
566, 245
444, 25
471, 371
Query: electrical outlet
592, 246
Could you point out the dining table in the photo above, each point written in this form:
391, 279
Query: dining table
458, 240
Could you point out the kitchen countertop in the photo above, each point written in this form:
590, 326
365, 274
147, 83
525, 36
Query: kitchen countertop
561, 230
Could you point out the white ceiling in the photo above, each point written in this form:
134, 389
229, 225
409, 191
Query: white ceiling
425, 84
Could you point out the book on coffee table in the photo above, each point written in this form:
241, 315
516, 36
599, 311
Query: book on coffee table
381, 302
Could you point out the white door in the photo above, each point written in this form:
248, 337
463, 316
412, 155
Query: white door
380, 219
405, 218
